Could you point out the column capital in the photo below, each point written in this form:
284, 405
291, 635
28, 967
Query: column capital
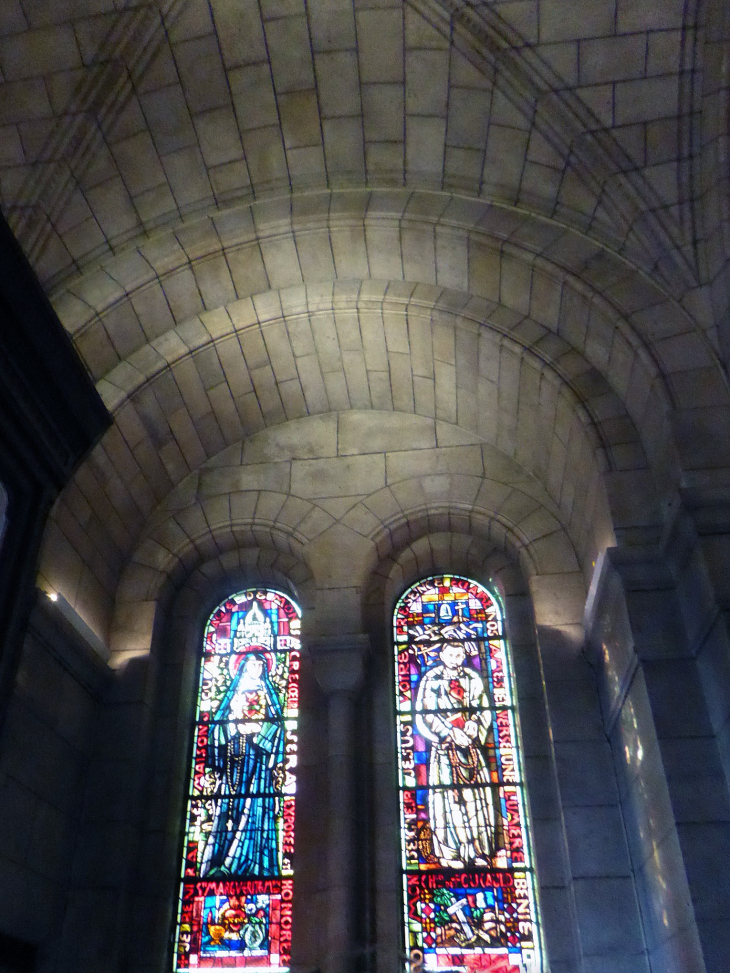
339, 661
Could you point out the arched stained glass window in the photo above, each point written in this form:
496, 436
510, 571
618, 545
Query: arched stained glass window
236, 889
469, 883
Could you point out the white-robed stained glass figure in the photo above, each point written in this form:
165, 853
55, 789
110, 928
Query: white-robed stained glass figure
236, 890
469, 883
452, 713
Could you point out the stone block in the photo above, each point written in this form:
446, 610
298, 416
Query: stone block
555, 553
265, 156
647, 812
676, 698
558, 599
424, 158
220, 141
636, 15
713, 662
337, 83
350, 253
663, 51
290, 54
608, 916
574, 712
51, 845
383, 112
36, 52
201, 72
633, 963
369, 432
280, 260
704, 851
715, 936
337, 610
468, 116
299, 113
596, 842
340, 558
360, 519
30, 912
663, 894
76, 715
17, 810
427, 82
645, 100
549, 850
608, 59
380, 45
466, 460
586, 774
557, 907
338, 477
542, 795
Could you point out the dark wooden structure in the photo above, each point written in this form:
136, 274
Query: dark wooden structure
50, 417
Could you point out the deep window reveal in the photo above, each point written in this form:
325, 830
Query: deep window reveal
468, 875
236, 889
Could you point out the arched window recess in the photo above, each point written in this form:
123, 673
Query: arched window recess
236, 888
468, 875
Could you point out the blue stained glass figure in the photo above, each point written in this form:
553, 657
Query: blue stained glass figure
244, 750
236, 890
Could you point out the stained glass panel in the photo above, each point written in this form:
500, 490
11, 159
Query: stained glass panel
469, 883
235, 902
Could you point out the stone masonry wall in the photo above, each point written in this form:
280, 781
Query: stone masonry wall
44, 755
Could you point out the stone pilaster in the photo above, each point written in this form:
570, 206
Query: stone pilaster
339, 667
673, 791
699, 545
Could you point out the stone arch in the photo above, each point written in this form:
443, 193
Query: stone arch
433, 239
259, 552
155, 661
185, 390
219, 533
357, 482
544, 607
646, 346
354, 472
161, 428
443, 536
469, 553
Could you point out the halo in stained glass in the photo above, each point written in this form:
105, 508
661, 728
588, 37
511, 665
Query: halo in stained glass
236, 888
469, 882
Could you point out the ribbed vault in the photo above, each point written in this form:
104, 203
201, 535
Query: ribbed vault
258, 219
374, 289
455, 400
148, 112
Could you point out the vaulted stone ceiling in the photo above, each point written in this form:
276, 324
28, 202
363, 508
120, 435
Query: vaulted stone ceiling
123, 121
505, 220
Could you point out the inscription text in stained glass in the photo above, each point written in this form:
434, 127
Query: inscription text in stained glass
469, 884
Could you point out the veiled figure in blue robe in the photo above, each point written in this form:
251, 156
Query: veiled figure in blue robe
245, 751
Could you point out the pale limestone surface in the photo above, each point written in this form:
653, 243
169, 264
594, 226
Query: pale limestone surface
375, 290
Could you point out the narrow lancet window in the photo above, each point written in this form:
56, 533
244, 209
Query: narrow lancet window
236, 889
469, 883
